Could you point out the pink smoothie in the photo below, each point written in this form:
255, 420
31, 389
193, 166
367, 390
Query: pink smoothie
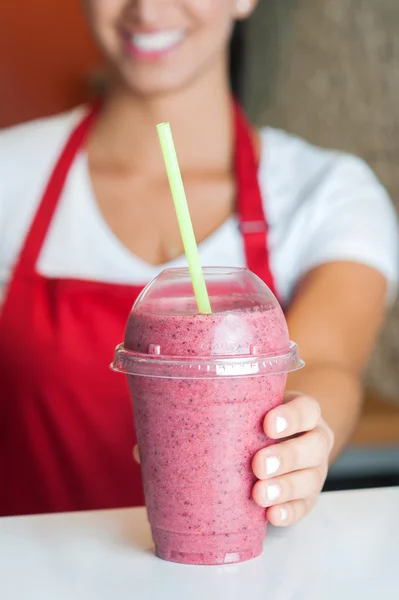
197, 437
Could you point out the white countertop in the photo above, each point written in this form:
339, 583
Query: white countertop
347, 549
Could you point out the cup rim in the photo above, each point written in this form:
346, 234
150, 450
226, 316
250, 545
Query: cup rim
206, 367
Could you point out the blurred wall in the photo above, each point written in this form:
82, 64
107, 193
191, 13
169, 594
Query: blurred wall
328, 70
46, 55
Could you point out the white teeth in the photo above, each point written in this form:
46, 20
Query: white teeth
157, 42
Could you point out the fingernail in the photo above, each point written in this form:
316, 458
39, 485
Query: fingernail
272, 492
272, 465
283, 514
281, 424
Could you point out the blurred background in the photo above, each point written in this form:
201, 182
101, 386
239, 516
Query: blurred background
327, 70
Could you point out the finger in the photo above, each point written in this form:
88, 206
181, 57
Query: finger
296, 416
136, 454
294, 486
283, 515
306, 451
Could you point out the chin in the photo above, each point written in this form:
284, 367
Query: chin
152, 87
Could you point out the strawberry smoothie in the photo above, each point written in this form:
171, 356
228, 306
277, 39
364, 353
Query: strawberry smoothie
201, 386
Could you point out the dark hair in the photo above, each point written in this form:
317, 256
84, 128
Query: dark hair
237, 62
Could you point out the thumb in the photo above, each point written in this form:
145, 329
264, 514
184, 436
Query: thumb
136, 454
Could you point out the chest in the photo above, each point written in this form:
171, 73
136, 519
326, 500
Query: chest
140, 211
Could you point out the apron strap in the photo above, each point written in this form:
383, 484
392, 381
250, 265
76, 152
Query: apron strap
253, 224
33, 243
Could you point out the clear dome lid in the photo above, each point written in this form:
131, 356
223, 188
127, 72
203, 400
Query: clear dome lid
171, 293
245, 334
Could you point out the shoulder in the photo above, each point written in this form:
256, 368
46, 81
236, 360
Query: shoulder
30, 147
39, 131
328, 204
298, 172
28, 153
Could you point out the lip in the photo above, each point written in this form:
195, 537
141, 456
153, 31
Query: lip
143, 53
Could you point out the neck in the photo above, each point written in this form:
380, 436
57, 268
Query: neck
200, 118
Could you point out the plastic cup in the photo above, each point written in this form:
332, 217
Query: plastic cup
201, 386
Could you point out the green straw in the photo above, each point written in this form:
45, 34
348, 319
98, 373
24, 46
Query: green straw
183, 217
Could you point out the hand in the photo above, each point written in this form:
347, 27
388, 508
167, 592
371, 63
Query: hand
292, 473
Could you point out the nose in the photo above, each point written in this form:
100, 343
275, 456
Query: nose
149, 12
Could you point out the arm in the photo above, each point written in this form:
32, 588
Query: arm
335, 318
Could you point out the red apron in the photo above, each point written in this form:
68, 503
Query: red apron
66, 422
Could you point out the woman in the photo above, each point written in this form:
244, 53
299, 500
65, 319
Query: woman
86, 221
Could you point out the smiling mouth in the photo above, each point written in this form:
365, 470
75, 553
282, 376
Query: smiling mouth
154, 44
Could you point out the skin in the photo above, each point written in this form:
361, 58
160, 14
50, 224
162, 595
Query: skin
338, 308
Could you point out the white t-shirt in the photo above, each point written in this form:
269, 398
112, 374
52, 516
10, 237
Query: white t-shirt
321, 206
